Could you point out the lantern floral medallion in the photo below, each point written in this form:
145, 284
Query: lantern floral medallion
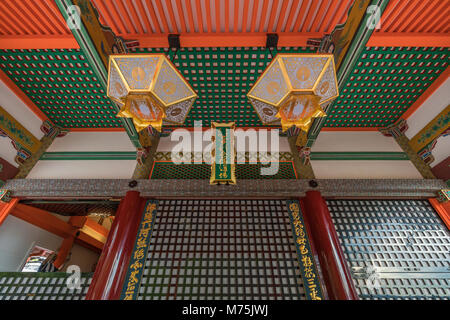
293, 89
149, 89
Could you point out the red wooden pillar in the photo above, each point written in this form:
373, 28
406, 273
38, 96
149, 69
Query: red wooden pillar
335, 270
112, 266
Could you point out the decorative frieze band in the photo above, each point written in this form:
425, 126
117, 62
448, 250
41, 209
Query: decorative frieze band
276, 188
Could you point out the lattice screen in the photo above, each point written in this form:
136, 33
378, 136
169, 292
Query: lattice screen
222, 249
41, 286
396, 249
169, 170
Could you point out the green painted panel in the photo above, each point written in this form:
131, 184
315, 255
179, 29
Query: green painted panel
359, 156
90, 155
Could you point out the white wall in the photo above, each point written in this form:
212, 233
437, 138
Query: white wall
17, 237
82, 257
87, 169
437, 102
374, 169
362, 141
92, 141
7, 151
83, 169
441, 151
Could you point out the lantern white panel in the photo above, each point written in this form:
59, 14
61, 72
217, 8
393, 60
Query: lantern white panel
303, 72
169, 86
116, 88
272, 86
137, 71
265, 111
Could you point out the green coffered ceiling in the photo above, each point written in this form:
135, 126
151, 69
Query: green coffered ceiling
384, 84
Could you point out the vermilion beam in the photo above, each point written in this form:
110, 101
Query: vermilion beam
263, 15
190, 16
290, 17
309, 15
153, 18
172, 18
227, 16
63, 251
6, 208
180, 12
318, 17
272, 15
224, 39
162, 15
301, 16
244, 16
96, 227
45, 220
135, 19
198, 6
443, 210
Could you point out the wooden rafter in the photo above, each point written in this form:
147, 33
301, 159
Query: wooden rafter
49, 222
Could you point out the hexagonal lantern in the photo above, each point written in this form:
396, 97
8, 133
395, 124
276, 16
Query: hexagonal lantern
149, 89
293, 88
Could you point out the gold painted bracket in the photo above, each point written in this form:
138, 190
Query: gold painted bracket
18, 133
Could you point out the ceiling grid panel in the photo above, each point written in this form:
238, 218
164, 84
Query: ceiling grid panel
262, 21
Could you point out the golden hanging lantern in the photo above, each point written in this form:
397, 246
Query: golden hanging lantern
293, 89
149, 89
